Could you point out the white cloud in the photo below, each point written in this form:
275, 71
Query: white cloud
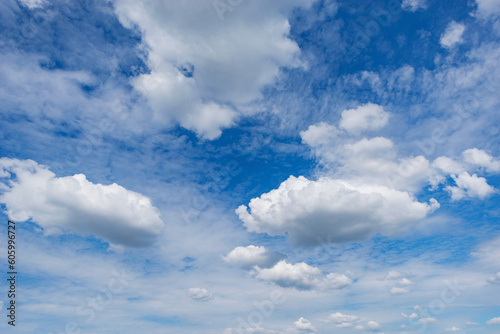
319, 134
453, 329
447, 165
428, 321
414, 5
399, 291
200, 295
482, 159
405, 282
495, 279
493, 322
204, 68
452, 35
72, 203
305, 325
33, 3
311, 210
301, 276
471, 323
338, 318
366, 117
469, 186
488, 7
250, 256
373, 325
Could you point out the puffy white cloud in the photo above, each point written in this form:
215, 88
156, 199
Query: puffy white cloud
447, 165
301, 276
206, 62
495, 279
414, 5
200, 295
250, 256
494, 321
452, 35
482, 159
319, 134
373, 325
73, 204
365, 117
310, 210
453, 329
469, 186
304, 325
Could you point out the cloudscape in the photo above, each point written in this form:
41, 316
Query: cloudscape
250, 166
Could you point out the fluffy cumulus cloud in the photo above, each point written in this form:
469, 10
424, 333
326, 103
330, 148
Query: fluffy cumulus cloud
307, 211
200, 294
304, 325
209, 58
301, 276
469, 186
482, 159
452, 35
493, 322
74, 204
365, 117
250, 256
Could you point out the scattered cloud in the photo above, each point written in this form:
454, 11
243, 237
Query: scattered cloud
301, 276
495, 279
369, 116
452, 35
304, 325
452, 329
250, 256
414, 5
74, 204
493, 322
399, 291
200, 295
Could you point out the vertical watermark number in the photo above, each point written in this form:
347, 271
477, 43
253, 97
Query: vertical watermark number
11, 273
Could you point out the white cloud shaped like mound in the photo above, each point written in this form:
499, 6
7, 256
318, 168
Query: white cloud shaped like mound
493, 322
414, 5
488, 7
301, 276
206, 61
452, 35
250, 256
469, 186
369, 116
310, 210
304, 325
73, 204
200, 294
481, 158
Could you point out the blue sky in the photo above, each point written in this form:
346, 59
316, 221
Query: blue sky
265, 167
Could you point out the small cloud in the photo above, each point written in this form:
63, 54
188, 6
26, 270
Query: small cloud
338, 318
250, 256
399, 291
493, 322
452, 35
304, 325
366, 117
472, 323
452, 329
373, 325
200, 295
428, 321
495, 279
413, 5
405, 282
